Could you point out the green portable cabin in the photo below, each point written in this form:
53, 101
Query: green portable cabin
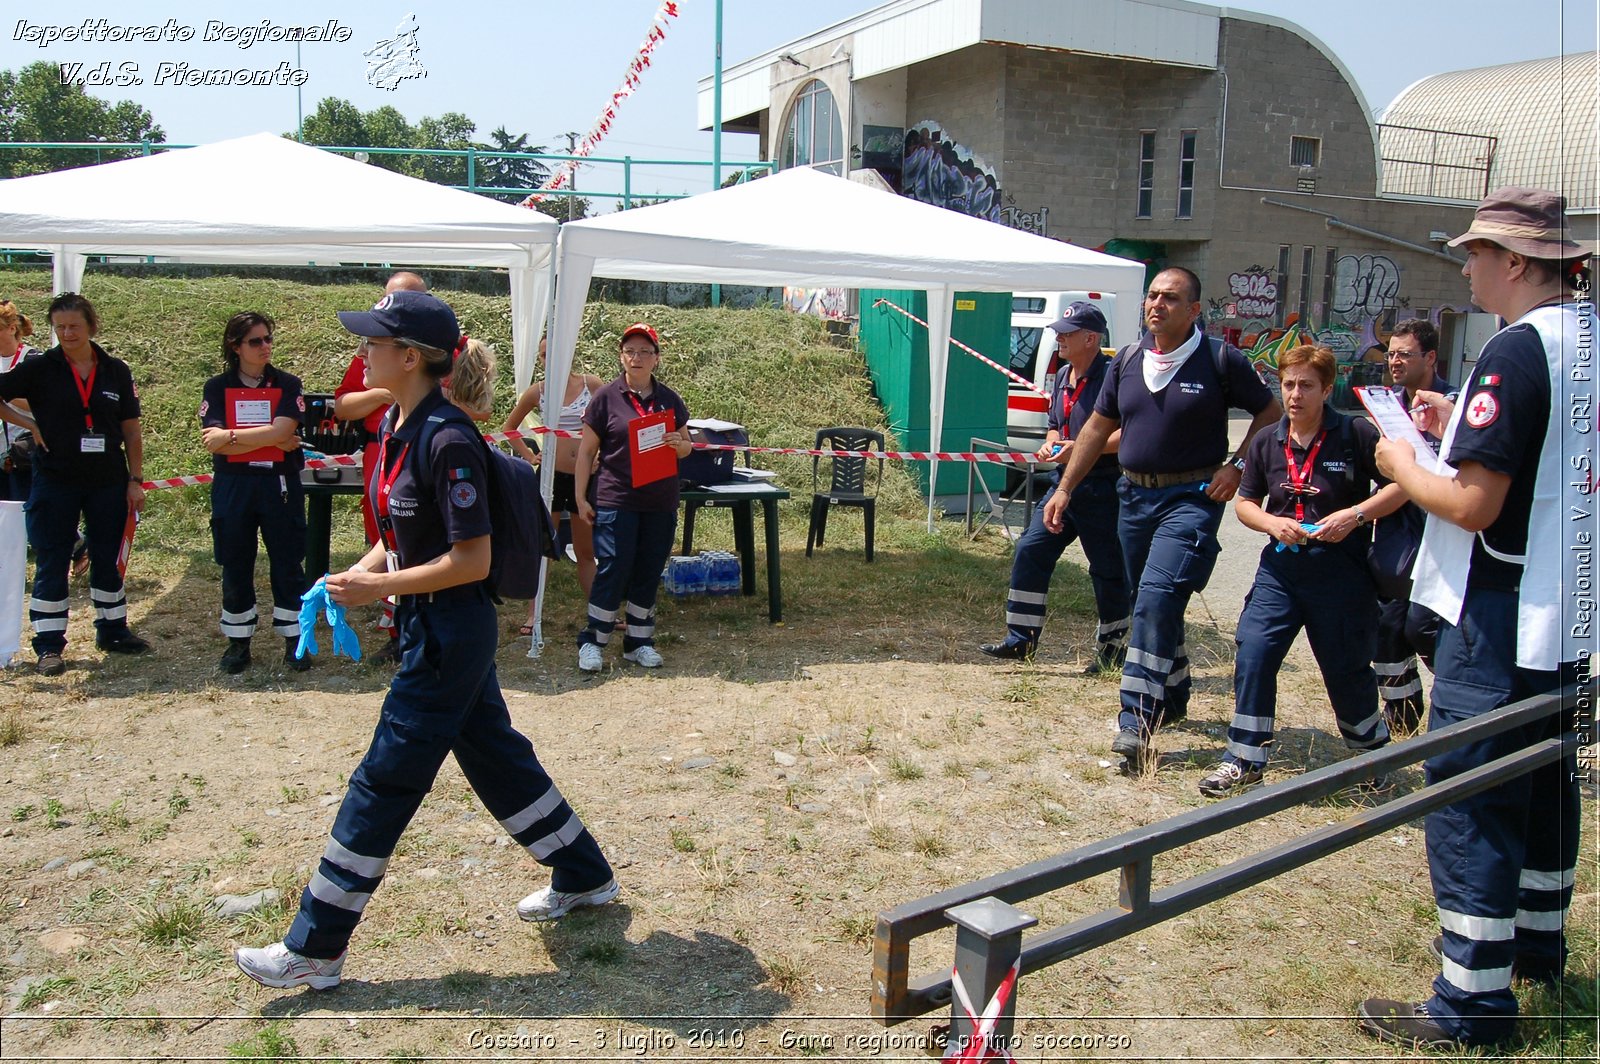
896, 350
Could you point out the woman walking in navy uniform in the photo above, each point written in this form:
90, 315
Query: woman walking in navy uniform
248, 418
433, 555
1309, 486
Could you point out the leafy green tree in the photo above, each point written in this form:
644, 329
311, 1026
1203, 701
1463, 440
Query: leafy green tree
37, 105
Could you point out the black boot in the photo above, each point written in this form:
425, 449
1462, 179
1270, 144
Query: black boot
291, 644
236, 658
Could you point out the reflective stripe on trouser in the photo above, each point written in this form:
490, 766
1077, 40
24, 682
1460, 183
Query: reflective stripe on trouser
1500, 860
1169, 544
1395, 662
1091, 518
445, 698
243, 507
53, 511
631, 548
1326, 592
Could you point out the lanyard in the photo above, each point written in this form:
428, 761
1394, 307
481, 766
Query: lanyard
1298, 478
1067, 403
385, 479
634, 399
85, 390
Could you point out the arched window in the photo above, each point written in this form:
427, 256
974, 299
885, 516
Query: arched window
813, 135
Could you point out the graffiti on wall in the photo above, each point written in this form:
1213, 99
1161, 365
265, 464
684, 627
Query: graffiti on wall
1035, 222
942, 172
1254, 293
832, 304
1364, 286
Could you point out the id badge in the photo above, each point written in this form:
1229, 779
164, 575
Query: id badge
90, 443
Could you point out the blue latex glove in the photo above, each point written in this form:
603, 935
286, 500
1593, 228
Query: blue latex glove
344, 637
1309, 530
311, 603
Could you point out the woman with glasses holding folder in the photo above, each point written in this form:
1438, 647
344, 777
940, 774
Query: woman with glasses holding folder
249, 415
637, 428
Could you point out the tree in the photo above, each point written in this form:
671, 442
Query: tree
511, 173
40, 104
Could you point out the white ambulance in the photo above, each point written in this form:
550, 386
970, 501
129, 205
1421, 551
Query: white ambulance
1033, 349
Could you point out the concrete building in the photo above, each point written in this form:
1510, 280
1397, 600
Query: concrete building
1232, 143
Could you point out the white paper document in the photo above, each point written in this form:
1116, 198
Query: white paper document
714, 424
1394, 421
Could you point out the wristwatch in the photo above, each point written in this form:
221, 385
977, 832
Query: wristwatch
1237, 463
1361, 516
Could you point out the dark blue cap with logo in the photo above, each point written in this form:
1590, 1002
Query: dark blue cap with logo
1081, 315
418, 316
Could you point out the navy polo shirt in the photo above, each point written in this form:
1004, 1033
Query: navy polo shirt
214, 414
449, 503
1082, 407
50, 386
1342, 475
1185, 425
609, 413
1503, 427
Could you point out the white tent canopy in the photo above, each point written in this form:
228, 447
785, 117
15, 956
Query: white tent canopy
805, 228
264, 198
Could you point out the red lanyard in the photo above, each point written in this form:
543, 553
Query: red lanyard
1298, 478
634, 399
1067, 403
385, 484
86, 390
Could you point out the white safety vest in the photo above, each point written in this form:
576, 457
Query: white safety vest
1556, 605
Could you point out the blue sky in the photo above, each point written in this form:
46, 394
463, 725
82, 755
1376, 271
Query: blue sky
546, 67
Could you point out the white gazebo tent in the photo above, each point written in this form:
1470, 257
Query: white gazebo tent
805, 228
264, 198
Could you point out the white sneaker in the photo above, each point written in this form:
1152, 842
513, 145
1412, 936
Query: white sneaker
279, 966
550, 904
589, 659
644, 657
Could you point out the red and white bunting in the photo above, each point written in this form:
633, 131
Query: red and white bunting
602, 125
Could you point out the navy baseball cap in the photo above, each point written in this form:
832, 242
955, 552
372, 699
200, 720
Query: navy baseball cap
418, 316
1081, 315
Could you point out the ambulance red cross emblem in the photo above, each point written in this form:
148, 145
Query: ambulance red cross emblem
1482, 411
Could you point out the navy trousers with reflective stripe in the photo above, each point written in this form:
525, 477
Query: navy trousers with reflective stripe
631, 548
1327, 592
52, 519
445, 699
241, 508
1091, 517
1502, 861
1169, 544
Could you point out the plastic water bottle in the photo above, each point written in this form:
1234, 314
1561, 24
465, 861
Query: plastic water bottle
673, 577
716, 572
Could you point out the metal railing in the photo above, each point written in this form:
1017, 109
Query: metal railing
1435, 162
989, 940
1001, 505
471, 157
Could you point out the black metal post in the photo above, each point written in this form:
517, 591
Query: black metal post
988, 943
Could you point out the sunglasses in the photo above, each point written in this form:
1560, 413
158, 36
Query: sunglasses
259, 341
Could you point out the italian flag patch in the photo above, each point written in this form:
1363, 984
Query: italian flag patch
1489, 380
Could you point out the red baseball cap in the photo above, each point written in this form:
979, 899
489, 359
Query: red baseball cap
639, 328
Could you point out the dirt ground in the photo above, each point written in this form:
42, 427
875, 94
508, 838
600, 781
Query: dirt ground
763, 797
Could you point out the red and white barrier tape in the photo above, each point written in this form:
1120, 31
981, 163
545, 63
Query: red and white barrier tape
641, 60
985, 359
997, 457
982, 1044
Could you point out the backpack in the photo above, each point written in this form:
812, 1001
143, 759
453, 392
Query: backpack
520, 535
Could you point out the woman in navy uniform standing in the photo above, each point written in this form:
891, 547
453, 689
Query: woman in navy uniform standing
433, 556
90, 464
249, 414
1309, 486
